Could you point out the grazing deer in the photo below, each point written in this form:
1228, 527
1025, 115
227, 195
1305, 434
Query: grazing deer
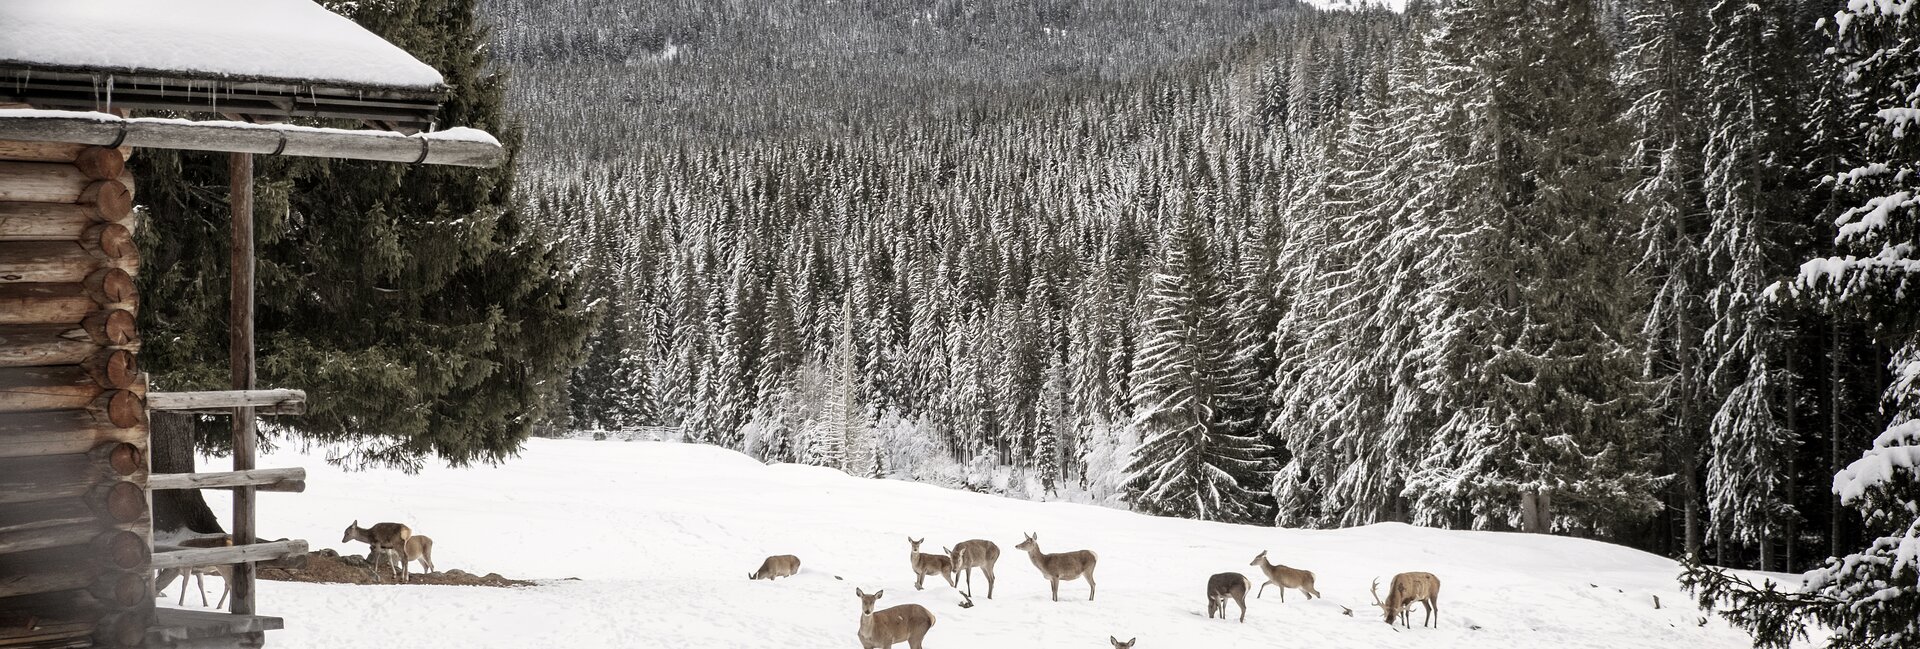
904, 623
1283, 577
977, 553
1407, 588
1226, 585
419, 548
1117, 644
389, 543
927, 563
1066, 565
779, 565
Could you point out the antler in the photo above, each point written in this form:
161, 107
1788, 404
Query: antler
1376, 592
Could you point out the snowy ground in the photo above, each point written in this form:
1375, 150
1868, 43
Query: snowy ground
661, 537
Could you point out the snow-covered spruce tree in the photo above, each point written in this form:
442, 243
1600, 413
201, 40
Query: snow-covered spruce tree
1662, 76
1193, 463
1532, 328
1870, 598
1755, 200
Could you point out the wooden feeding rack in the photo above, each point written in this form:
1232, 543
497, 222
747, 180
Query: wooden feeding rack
77, 556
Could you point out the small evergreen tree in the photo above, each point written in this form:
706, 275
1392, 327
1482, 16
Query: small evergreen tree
1192, 463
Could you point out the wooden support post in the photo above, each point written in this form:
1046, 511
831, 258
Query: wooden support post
240, 362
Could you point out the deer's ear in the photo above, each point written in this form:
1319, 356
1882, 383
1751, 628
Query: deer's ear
858, 593
878, 593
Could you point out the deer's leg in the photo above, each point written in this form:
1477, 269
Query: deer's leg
1091, 588
183, 590
1242, 599
1056, 588
1263, 589
988, 570
918, 578
1283, 594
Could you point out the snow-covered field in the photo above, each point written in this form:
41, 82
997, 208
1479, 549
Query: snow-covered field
661, 537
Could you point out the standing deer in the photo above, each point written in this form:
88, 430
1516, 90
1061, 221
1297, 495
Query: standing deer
1407, 588
1283, 577
977, 553
904, 623
199, 573
1066, 565
419, 548
927, 563
779, 565
1117, 644
1226, 585
389, 543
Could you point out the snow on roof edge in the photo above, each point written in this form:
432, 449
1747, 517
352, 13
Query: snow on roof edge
293, 41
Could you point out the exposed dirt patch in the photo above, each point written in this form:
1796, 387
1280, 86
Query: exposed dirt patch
329, 567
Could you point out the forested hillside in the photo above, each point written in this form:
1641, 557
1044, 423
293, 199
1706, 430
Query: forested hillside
1531, 266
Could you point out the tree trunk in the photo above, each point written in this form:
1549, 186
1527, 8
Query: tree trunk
1834, 396
175, 510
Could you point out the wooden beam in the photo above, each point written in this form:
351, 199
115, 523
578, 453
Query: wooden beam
62, 303
266, 402
240, 366
172, 556
174, 626
265, 479
232, 137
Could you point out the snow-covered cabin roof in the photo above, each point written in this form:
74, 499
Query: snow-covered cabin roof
287, 41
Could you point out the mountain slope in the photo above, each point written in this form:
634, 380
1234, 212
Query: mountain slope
661, 536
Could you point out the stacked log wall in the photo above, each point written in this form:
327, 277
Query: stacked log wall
75, 523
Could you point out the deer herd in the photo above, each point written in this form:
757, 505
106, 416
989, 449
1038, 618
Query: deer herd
909, 623
395, 547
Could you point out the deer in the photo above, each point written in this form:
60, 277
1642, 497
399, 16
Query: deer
1407, 588
419, 547
1283, 577
776, 566
199, 573
389, 543
977, 553
1117, 644
882, 629
1223, 586
1066, 565
927, 563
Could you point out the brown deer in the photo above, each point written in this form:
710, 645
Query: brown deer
419, 548
199, 573
1226, 585
389, 543
882, 629
927, 563
977, 553
1066, 565
1283, 577
1117, 644
779, 565
1407, 588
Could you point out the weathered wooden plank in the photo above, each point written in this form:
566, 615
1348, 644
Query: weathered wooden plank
62, 221
24, 151
262, 478
55, 262
288, 402
66, 387
28, 479
173, 626
39, 303
235, 137
167, 556
66, 344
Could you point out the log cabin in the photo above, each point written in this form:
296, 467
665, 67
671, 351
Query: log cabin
77, 79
